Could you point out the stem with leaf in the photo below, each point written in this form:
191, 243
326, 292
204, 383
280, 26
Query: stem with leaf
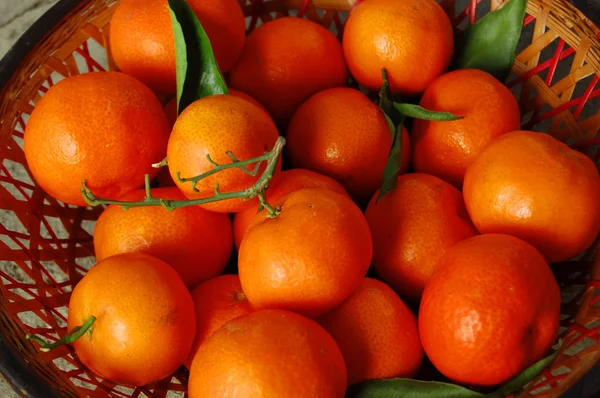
258, 189
395, 114
74, 334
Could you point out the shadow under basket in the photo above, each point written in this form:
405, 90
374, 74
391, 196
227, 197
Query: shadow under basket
46, 246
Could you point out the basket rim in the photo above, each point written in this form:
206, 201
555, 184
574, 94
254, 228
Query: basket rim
32, 36
22, 378
19, 376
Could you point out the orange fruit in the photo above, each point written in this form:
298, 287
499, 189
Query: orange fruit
271, 354
145, 322
308, 259
214, 126
340, 133
412, 226
282, 184
287, 60
445, 149
142, 42
377, 334
217, 301
171, 107
412, 39
536, 188
195, 242
104, 127
490, 311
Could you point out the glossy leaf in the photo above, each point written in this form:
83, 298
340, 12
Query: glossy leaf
524, 377
490, 43
418, 112
198, 74
408, 388
395, 122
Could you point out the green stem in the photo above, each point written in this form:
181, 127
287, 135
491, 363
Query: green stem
273, 211
147, 185
259, 187
76, 333
220, 167
162, 163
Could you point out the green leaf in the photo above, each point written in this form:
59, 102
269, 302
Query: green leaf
408, 388
395, 122
418, 112
394, 163
490, 43
524, 377
198, 74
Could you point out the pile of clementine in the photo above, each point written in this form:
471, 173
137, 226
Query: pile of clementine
460, 245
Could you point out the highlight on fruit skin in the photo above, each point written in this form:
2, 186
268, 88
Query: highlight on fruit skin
376, 332
341, 133
412, 227
490, 311
274, 353
412, 39
287, 60
131, 320
142, 41
308, 259
227, 128
533, 186
489, 109
216, 302
195, 242
282, 184
70, 136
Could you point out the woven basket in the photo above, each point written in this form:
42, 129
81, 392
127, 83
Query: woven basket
46, 246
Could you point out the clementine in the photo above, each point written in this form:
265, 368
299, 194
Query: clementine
142, 42
340, 133
214, 126
412, 226
287, 60
376, 332
195, 242
490, 311
308, 259
145, 322
536, 188
282, 184
104, 127
216, 301
488, 108
271, 354
412, 39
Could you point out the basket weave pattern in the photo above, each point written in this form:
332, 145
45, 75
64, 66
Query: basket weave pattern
49, 244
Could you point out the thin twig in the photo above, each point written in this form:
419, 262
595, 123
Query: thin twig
162, 163
76, 333
257, 189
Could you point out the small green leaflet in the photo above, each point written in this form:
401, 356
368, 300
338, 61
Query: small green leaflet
198, 74
418, 112
395, 121
490, 43
409, 388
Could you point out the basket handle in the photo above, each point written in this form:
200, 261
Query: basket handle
332, 5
